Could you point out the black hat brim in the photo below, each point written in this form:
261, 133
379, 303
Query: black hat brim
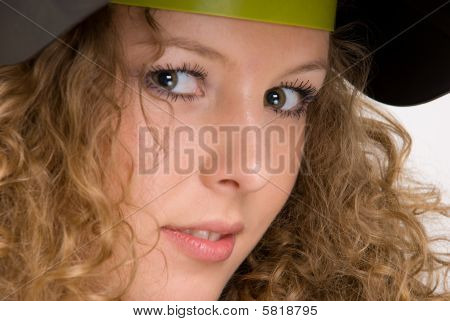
409, 41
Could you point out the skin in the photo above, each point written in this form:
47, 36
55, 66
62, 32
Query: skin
251, 62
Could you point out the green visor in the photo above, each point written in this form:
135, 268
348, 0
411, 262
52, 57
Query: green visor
316, 14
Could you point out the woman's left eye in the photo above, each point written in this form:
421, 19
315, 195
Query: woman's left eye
288, 100
282, 98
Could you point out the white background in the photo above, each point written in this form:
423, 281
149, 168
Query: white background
429, 127
257, 310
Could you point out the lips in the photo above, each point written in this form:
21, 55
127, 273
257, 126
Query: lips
212, 241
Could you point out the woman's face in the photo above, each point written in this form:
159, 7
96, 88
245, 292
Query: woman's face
214, 193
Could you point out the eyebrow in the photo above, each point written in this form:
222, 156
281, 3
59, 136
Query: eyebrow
208, 52
196, 47
319, 64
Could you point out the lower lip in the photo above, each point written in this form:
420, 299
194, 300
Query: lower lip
205, 250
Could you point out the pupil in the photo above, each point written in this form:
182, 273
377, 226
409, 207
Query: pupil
275, 97
167, 79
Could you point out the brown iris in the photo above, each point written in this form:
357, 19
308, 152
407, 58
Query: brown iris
167, 79
275, 97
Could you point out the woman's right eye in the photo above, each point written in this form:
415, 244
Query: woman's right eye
184, 82
177, 82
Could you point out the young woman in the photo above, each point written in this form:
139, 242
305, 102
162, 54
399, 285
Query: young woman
91, 210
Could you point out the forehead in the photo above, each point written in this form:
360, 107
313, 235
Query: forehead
232, 37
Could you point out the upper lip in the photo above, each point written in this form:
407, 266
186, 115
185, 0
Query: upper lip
211, 226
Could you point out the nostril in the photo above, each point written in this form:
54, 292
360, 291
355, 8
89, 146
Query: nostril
229, 182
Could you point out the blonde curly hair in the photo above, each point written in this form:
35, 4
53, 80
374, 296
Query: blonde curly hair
349, 230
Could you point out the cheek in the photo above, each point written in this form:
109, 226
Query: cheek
283, 167
135, 147
262, 211
283, 147
266, 204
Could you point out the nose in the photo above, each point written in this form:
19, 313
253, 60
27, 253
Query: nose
224, 172
234, 163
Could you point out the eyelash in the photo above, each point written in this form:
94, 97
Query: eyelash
307, 92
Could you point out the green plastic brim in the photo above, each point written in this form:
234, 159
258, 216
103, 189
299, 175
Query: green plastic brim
316, 14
